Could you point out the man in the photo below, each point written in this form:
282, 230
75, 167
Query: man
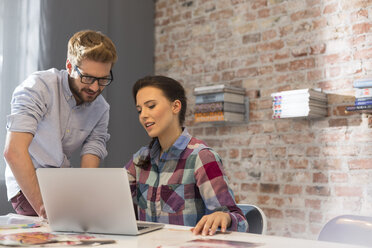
54, 113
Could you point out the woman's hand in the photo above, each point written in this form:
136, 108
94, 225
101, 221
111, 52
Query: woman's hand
209, 223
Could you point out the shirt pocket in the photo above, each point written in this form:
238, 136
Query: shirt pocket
172, 198
142, 191
74, 138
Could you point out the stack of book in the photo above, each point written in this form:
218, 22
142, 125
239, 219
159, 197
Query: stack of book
363, 95
299, 103
219, 103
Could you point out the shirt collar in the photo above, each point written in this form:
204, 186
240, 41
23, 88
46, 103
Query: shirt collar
175, 150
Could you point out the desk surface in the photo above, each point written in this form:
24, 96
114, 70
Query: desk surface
179, 236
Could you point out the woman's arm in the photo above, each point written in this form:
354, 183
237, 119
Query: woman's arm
217, 196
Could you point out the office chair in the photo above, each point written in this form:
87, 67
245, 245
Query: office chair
256, 218
348, 229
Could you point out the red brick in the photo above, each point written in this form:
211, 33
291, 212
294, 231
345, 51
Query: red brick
285, 30
298, 228
261, 153
313, 204
362, 28
363, 54
251, 38
338, 122
263, 13
274, 45
281, 55
249, 187
318, 49
292, 189
228, 75
339, 177
269, 188
330, 8
273, 213
256, 4
359, 15
316, 217
281, 67
298, 164
302, 64
348, 191
360, 164
320, 177
223, 14
304, 14
318, 190
263, 199
278, 202
299, 51
295, 213
247, 72
313, 151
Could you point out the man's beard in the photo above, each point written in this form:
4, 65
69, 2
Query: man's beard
79, 93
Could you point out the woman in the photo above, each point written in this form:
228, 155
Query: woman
178, 179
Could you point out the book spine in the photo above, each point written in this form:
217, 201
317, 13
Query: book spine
363, 99
209, 116
209, 98
366, 83
220, 106
361, 107
365, 92
360, 103
209, 107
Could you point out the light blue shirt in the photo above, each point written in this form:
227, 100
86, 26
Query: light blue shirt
44, 106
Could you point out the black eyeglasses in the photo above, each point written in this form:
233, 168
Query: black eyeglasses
90, 79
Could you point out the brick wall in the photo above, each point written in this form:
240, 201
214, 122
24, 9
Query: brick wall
300, 172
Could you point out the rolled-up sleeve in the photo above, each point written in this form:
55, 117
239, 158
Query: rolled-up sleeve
96, 141
214, 189
29, 105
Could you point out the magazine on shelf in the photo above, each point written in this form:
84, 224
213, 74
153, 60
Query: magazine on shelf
359, 107
220, 97
360, 103
363, 83
219, 116
363, 92
301, 93
220, 106
217, 89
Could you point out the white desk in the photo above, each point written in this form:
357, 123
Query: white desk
175, 236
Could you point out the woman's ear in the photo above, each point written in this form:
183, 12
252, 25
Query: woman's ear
177, 105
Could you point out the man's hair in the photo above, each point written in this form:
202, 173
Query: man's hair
92, 45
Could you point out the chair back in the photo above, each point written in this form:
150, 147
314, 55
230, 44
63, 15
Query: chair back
348, 229
256, 218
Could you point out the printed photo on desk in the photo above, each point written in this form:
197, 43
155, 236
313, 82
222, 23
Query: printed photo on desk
216, 243
44, 239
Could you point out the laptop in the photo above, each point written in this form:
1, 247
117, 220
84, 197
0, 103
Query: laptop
94, 200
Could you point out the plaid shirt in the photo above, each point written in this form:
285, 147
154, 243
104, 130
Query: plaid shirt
182, 186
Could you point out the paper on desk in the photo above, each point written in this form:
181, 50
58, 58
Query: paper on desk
215, 243
13, 221
49, 239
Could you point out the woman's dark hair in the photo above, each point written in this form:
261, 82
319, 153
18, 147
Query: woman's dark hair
172, 90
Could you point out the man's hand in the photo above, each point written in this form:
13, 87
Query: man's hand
209, 223
42, 212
